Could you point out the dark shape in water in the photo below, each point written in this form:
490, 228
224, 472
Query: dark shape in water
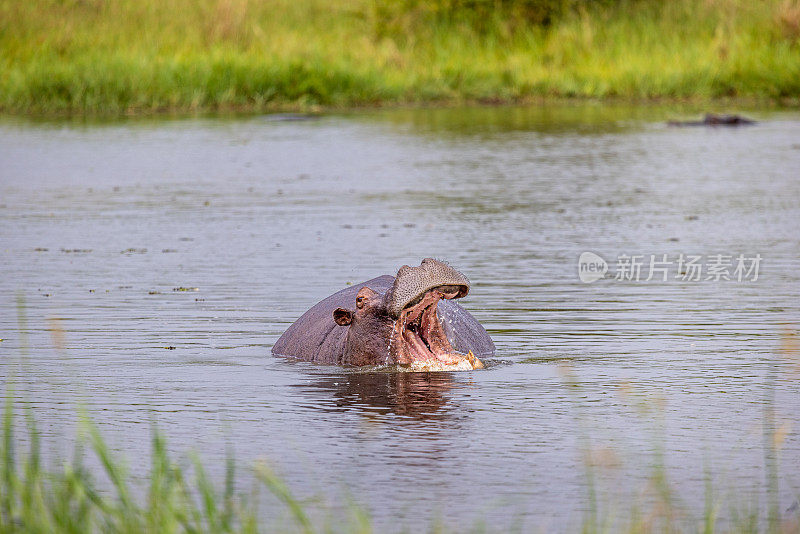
715, 120
291, 117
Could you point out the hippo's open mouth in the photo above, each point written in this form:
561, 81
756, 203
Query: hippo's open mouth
423, 345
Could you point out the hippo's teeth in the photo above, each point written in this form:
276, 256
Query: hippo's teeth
421, 342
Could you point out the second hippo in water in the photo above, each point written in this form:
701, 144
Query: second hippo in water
408, 320
715, 120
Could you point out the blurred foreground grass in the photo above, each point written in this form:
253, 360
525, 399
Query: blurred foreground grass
180, 496
144, 56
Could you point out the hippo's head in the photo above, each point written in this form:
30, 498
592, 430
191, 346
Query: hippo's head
403, 323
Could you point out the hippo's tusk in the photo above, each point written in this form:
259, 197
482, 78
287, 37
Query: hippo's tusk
474, 361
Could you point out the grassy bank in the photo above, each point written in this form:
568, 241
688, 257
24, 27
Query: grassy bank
134, 56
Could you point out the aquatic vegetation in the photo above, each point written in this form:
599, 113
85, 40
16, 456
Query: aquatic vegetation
127, 57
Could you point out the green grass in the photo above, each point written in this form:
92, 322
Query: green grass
177, 498
144, 56
180, 496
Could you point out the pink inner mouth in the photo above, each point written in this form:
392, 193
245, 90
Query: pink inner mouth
421, 336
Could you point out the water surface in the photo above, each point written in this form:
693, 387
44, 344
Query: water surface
159, 260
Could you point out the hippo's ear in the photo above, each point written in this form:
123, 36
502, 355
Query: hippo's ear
342, 317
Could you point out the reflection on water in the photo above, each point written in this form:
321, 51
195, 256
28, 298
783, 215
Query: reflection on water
417, 395
174, 253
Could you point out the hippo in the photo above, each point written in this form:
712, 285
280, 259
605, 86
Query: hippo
715, 120
408, 320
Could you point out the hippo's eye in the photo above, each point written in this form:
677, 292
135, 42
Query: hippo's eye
360, 302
